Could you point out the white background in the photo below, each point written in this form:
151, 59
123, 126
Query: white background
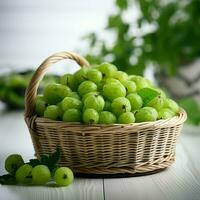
31, 30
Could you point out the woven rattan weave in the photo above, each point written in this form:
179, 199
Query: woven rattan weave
101, 149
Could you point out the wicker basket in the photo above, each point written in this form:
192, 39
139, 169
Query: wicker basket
102, 149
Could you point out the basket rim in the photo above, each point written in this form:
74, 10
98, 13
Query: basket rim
176, 120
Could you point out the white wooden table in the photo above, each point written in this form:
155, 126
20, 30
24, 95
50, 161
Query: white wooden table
179, 182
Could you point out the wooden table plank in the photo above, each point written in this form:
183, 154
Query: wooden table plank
81, 189
179, 182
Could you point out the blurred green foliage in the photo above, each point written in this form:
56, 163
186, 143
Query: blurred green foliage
13, 86
165, 34
173, 38
193, 110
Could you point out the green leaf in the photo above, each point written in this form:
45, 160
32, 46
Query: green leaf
147, 94
51, 160
114, 21
34, 162
193, 110
8, 179
122, 4
54, 158
172, 43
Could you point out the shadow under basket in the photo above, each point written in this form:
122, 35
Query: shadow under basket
102, 150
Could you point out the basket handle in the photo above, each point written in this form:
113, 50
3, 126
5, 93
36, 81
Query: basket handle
31, 90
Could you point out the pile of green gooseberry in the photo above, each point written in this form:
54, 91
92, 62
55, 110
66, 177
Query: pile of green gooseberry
103, 95
40, 174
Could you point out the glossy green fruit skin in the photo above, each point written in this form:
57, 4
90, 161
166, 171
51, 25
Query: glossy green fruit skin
172, 105
113, 90
141, 82
103, 94
135, 101
165, 113
24, 174
52, 112
69, 80
40, 105
86, 87
156, 102
74, 95
41, 175
121, 76
81, 75
106, 117
13, 162
94, 101
120, 105
126, 118
94, 76
54, 93
89, 94
110, 80
90, 116
146, 114
64, 176
72, 115
70, 102
160, 91
130, 87
107, 69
